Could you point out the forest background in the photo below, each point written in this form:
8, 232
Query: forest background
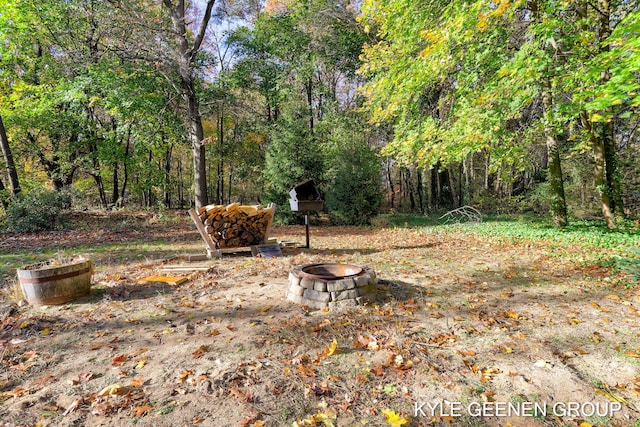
523, 106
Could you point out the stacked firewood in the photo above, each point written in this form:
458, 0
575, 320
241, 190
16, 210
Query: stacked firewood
236, 225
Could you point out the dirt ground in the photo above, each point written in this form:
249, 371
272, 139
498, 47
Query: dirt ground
461, 330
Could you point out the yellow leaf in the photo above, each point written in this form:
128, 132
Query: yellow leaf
113, 390
184, 375
393, 418
331, 350
612, 396
141, 364
45, 331
327, 418
172, 280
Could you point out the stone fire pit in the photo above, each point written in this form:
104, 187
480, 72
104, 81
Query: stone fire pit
330, 285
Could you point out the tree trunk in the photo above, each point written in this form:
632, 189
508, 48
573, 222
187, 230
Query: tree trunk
3, 202
309, 90
435, 187
52, 166
220, 169
420, 190
445, 199
12, 172
115, 191
599, 169
167, 177
487, 162
455, 195
230, 177
612, 172
196, 135
125, 169
103, 195
408, 184
469, 179
557, 203
392, 189
608, 137
180, 184
186, 60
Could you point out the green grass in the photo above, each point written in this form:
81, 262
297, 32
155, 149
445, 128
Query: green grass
591, 234
619, 248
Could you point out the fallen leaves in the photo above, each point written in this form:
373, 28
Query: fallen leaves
432, 329
200, 351
119, 359
182, 377
17, 392
330, 350
367, 341
607, 392
144, 409
324, 417
245, 396
487, 374
42, 382
114, 390
82, 378
633, 353
393, 418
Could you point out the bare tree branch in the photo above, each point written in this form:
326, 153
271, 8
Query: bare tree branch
203, 28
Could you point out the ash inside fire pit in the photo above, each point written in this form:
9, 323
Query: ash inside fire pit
330, 285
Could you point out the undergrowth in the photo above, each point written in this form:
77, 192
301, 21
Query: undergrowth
584, 242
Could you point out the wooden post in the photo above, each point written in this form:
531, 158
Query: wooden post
306, 226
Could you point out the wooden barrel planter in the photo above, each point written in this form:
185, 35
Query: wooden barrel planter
56, 282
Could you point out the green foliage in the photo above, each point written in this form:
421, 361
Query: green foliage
40, 209
293, 156
591, 235
498, 78
353, 171
630, 265
355, 195
299, 60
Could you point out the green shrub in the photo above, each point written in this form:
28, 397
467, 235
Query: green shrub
41, 209
293, 156
354, 196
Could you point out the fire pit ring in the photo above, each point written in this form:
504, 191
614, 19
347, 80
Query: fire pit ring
331, 271
330, 285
